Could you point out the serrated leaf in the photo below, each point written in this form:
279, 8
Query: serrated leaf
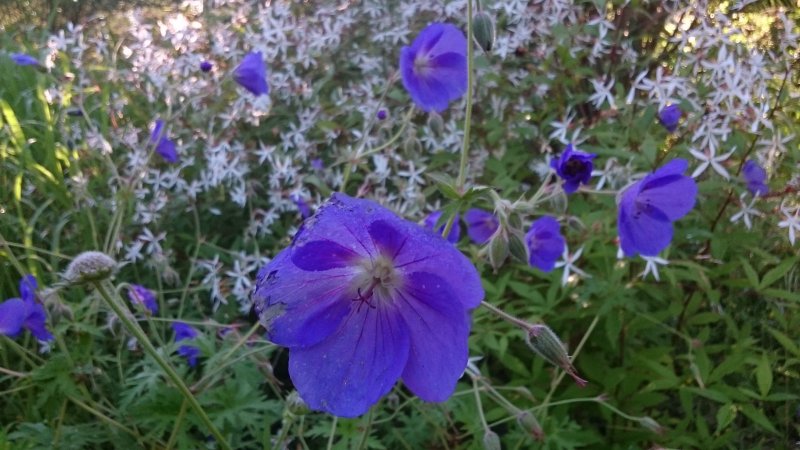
764, 375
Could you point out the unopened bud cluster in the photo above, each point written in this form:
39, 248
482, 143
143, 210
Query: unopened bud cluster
88, 267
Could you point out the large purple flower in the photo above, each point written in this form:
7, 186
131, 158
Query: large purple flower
17, 314
455, 232
251, 74
574, 167
649, 206
481, 225
363, 298
186, 332
670, 116
164, 145
755, 176
434, 67
545, 243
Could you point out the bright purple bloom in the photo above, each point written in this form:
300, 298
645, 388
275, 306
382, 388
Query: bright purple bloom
648, 207
382, 114
17, 314
317, 164
669, 117
481, 225
363, 298
21, 59
545, 243
164, 145
434, 67
755, 176
206, 66
140, 295
186, 332
251, 74
455, 232
302, 206
574, 167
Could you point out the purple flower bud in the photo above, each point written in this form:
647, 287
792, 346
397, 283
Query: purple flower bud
545, 243
21, 59
302, 206
669, 117
206, 66
481, 225
140, 295
574, 167
382, 114
164, 146
755, 176
251, 74
455, 232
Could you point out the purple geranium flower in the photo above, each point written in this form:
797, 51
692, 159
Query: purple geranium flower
481, 225
648, 207
140, 295
755, 176
17, 314
363, 298
545, 243
21, 59
669, 116
455, 232
302, 206
574, 167
251, 74
206, 66
434, 67
164, 145
186, 332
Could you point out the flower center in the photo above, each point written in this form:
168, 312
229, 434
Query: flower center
422, 65
573, 167
377, 281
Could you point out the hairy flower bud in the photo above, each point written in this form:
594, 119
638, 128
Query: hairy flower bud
491, 441
296, 405
650, 423
542, 340
435, 123
516, 245
88, 267
498, 250
483, 30
528, 422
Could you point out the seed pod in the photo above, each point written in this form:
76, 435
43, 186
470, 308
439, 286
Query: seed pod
483, 30
529, 423
88, 267
498, 250
491, 441
546, 344
517, 247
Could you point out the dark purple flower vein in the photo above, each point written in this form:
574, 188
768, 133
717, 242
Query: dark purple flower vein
399, 266
359, 242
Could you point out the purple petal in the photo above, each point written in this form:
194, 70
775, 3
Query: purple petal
27, 288
36, 322
387, 238
669, 190
300, 308
13, 313
167, 149
184, 331
455, 232
189, 352
646, 231
140, 295
357, 365
251, 74
157, 135
322, 255
439, 328
545, 243
21, 59
481, 225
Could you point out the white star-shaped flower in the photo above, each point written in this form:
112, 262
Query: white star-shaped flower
709, 158
568, 263
792, 221
747, 212
651, 266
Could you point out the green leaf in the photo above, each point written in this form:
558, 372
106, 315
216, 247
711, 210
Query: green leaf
725, 415
785, 341
764, 375
751, 274
777, 272
758, 417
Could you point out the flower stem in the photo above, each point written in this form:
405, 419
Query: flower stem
462, 168
572, 358
133, 328
507, 317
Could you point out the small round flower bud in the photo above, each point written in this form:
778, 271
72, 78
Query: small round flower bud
529, 423
483, 30
206, 66
382, 114
88, 267
296, 405
649, 423
435, 123
542, 340
491, 441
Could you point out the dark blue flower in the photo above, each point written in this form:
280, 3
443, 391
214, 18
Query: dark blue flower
455, 232
302, 206
434, 67
669, 117
648, 207
186, 332
164, 145
363, 298
574, 167
382, 114
481, 225
21, 59
755, 176
251, 74
140, 295
206, 66
545, 243
26, 312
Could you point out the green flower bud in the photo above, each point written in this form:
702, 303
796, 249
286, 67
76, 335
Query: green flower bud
491, 441
88, 267
483, 30
546, 344
651, 424
435, 123
517, 247
296, 405
498, 250
528, 422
